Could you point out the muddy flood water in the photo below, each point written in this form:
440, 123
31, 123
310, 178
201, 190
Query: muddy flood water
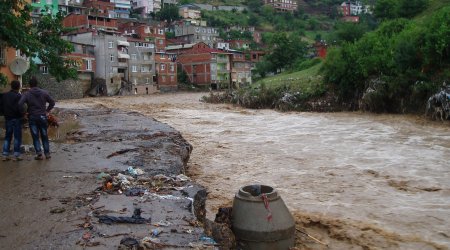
352, 180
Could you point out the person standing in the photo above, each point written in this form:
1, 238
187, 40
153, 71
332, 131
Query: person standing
13, 121
36, 100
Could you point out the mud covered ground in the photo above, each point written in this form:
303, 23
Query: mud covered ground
352, 180
58, 203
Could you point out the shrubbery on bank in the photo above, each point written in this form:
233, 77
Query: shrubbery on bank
395, 68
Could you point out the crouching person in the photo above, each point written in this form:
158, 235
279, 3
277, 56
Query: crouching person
13, 113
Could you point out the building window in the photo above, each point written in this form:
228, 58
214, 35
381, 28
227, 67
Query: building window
172, 67
44, 69
162, 56
111, 57
163, 78
18, 53
161, 41
172, 78
2, 56
161, 31
163, 66
134, 68
88, 65
133, 57
110, 45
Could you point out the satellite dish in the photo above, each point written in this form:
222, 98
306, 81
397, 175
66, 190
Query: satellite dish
19, 66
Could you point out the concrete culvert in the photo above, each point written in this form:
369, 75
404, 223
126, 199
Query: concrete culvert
261, 220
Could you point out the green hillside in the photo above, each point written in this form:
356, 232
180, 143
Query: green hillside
393, 66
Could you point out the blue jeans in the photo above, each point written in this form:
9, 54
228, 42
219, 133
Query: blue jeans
38, 125
13, 127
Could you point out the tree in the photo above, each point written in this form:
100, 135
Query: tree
254, 5
386, 9
410, 8
349, 32
182, 76
41, 39
168, 13
285, 51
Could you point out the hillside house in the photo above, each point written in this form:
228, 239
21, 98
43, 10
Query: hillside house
354, 8
189, 11
82, 21
241, 73
206, 66
191, 33
145, 7
239, 44
282, 5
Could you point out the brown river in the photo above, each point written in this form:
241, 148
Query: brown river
352, 180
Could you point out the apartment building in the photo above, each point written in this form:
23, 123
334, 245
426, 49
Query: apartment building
206, 66
166, 69
145, 7
241, 73
190, 33
122, 8
142, 69
189, 11
83, 59
89, 21
111, 56
7, 55
71, 6
153, 32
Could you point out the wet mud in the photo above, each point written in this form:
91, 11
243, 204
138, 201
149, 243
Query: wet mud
58, 203
352, 180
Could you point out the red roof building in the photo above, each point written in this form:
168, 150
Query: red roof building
154, 32
206, 66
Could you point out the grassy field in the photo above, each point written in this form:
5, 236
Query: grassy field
308, 82
433, 6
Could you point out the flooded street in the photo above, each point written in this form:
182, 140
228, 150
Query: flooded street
353, 180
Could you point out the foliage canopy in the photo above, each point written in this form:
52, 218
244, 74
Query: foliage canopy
40, 39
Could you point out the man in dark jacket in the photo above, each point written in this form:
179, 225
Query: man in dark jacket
13, 121
36, 100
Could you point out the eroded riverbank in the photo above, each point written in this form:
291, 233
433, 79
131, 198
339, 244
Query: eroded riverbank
353, 180
86, 196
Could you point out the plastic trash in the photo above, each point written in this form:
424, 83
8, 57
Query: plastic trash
131, 171
139, 171
102, 175
207, 240
156, 232
182, 177
134, 219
